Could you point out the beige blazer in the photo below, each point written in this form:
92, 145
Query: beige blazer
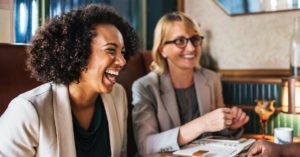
39, 123
155, 114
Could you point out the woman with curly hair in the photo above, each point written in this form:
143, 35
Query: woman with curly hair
81, 111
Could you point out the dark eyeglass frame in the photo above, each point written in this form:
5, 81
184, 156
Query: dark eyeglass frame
192, 39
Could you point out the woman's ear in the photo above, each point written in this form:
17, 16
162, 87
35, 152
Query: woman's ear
161, 51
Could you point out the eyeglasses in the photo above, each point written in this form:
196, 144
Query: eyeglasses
181, 42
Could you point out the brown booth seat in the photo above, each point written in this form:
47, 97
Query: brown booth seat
16, 80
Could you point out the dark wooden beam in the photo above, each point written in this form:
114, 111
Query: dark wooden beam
272, 73
180, 5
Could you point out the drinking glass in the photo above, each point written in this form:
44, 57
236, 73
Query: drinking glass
264, 109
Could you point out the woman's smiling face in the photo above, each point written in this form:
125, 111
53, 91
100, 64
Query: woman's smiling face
105, 61
187, 57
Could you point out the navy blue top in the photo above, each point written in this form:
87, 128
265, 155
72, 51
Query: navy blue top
93, 142
187, 104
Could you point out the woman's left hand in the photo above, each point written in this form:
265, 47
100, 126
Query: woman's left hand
239, 118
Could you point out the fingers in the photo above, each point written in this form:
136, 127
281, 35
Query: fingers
227, 123
255, 150
226, 110
239, 118
219, 119
239, 115
242, 117
236, 112
245, 119
228, 118
226, 115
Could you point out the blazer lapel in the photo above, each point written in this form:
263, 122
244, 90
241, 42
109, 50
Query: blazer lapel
169, 98
203, 92
63, 121
114, 130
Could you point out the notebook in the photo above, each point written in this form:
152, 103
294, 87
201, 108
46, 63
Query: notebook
215, 147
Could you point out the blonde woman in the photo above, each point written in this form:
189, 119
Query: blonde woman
179, 101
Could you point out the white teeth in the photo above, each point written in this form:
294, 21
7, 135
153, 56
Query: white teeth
189, 56
112, 72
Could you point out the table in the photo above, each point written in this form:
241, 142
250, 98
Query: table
160, 155
269, 137
254, 136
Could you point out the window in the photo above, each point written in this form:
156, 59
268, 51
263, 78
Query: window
26, 20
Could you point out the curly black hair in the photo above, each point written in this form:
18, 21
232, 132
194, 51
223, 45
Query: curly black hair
60, 49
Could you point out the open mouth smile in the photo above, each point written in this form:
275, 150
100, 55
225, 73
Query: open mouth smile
111, 75
188, 56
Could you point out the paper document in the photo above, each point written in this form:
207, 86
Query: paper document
216, 148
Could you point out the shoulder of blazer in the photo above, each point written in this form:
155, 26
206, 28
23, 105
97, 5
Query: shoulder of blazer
118, 90
208, 74
38, 91
151, 79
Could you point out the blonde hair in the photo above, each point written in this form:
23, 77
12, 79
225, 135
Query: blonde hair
164, 25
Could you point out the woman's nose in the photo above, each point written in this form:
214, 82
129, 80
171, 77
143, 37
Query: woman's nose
190, 46
120, 60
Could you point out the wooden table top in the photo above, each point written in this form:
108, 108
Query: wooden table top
160, 155
268, 137
254, 136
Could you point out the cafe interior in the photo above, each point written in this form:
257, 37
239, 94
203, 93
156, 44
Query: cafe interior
254, 45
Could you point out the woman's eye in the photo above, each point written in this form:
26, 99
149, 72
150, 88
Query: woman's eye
111, 50
123, 52
180, 41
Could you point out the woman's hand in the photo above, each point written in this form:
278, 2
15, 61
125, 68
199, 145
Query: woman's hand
217, 120
213, 121
239, 118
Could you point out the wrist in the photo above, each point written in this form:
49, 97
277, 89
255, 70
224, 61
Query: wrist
201, 129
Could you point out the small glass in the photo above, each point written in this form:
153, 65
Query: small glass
264, 109
295, 49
